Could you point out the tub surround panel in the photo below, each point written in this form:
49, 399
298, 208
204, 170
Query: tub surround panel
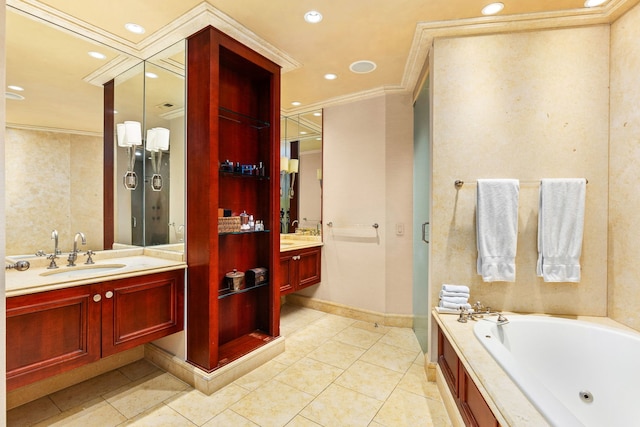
527, 106
624, 252
52, 183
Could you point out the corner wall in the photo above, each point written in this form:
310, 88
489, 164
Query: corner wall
3, 364
528, 106
624, 203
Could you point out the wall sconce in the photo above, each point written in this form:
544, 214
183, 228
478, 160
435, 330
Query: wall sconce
293, 170
284, 169
129, 135
157, 141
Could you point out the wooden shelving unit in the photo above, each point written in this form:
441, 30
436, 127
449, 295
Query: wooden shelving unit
233, 113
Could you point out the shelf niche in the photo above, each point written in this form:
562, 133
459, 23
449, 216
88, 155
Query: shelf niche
233, 113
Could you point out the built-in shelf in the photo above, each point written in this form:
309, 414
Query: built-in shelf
244, 232
241, 175
225, 113
228, 292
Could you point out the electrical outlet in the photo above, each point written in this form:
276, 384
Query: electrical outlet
400, 229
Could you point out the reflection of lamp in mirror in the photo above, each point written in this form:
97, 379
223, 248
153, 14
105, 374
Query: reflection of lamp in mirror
129, 135
284, 168
293, 170
319, 176
157, 141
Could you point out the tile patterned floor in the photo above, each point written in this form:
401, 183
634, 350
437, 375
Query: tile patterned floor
335, 372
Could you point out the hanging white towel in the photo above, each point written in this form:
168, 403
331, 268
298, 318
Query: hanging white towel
497, 228
560, 229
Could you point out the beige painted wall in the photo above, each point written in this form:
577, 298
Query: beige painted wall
527, 106
54, 181
367, 149
624, 204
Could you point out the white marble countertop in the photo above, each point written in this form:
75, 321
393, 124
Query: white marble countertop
503, 396
109, 265
293, 242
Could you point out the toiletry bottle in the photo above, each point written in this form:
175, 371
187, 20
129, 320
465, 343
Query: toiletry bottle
252, 224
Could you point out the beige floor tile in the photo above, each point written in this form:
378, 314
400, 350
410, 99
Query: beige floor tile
96, 412
404, 409
339, 406
229, 418
309, 375
402, 337
145, 393
32, 412
358, 337
415, 381
273, 404
370, 380
85, 391
300, 421
391, 357
139, 369
338, 354
318, 334
260, 375
373, 327
333, 322
200, 408
159, 416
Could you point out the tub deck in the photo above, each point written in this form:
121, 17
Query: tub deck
510, 406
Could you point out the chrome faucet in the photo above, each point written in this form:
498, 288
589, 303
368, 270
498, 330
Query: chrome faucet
54, 236
73, 255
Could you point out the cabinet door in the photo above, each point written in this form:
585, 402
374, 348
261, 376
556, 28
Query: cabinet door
308, 267
141, 309
475, 410
288, 273
51, 332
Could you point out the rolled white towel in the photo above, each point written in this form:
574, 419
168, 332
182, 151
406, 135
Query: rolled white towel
454, 306
455, 300
454, 294
455, 288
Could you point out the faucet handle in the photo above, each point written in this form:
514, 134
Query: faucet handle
89, 254
41, 253
478, 307
52, 264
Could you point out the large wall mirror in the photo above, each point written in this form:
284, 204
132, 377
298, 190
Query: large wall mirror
301, 173
53, 135
149, 174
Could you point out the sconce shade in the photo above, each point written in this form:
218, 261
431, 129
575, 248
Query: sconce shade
157, 139
121, 133
133, 133
319, 174
293, 165
284, 164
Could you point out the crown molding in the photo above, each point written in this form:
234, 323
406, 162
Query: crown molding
56, 130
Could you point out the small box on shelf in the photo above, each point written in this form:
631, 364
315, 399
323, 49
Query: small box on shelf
229, 224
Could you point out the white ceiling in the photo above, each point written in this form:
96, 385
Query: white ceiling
62, 84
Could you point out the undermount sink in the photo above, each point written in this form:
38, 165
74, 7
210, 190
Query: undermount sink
82, 270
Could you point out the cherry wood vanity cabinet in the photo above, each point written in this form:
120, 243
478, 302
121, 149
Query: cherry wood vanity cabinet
472, 406
299, 269
233, 114
54, 331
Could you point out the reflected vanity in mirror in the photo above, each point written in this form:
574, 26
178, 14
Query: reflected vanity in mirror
301, 173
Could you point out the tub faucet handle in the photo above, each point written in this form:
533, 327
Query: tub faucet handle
478, 307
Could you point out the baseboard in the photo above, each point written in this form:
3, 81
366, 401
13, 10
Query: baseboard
209, 382
396, 320
42, 388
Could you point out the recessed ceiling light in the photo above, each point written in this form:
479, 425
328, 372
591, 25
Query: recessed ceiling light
362, 67
317, 114
492, 8
18, 88
135, 28
594, 3
296, 103
97, 55
313, 17
330, 76
151, 75
14, 96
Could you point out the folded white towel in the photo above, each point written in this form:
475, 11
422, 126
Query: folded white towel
443, 310
446, 304
455, 288
560, 229
454, 294
497, 228
455, 300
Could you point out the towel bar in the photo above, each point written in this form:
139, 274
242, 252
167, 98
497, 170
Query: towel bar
458, 183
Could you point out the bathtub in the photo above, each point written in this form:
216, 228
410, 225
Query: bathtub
575, 373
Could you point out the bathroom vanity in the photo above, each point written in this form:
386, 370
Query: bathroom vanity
61, 319
300, 263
